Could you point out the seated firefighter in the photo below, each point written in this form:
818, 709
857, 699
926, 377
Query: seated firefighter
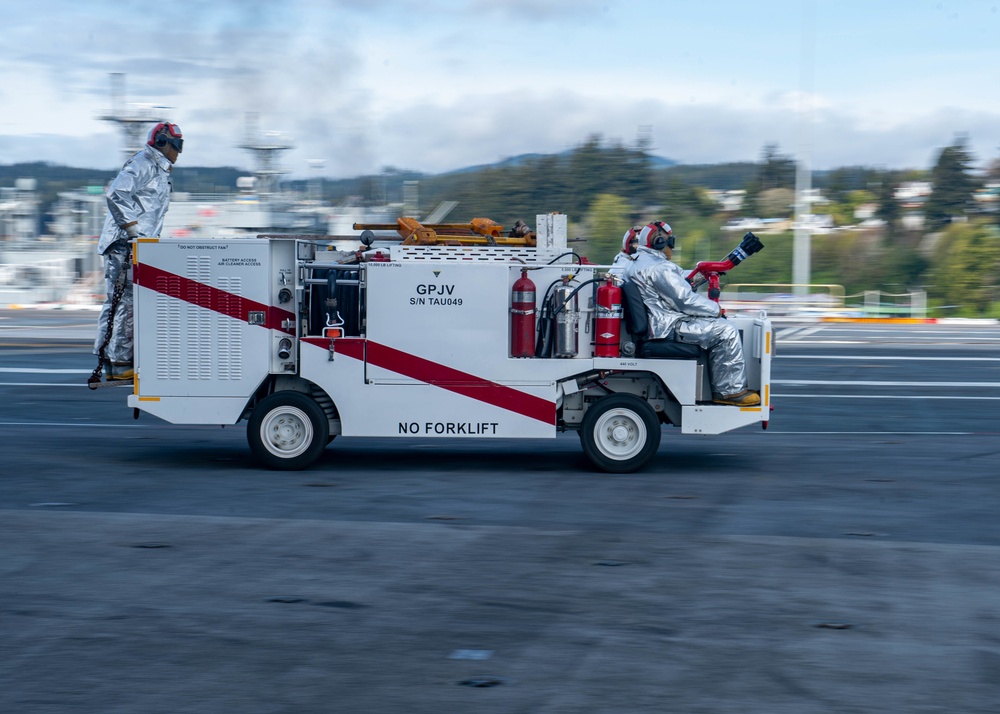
630, 242
676, 312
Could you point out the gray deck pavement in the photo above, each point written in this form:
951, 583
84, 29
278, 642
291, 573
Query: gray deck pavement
150, 613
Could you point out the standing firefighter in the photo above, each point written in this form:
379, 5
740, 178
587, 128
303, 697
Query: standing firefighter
137, 202
678, 313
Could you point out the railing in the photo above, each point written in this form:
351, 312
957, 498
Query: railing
824, 299
909, 304
784, 298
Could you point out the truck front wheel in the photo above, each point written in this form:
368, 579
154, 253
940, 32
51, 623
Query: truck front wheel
288, 431
620, 433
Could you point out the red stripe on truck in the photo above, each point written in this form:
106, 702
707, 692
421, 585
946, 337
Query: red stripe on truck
468, 385
208, 297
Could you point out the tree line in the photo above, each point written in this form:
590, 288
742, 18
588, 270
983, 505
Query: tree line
606, 186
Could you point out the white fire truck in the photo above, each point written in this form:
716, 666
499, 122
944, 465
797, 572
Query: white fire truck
308, 343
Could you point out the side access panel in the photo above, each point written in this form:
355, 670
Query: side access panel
429, 400
204, 325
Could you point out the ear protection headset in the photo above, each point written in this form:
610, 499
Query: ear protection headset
657, 235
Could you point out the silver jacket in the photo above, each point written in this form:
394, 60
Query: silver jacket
140, 192
621, 262
676, 312
667, 294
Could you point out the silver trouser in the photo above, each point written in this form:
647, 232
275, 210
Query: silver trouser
725, 351
119, 349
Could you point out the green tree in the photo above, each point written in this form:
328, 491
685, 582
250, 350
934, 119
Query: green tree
776, 202
967, 266
607, 220
777, 170
953, 186
774, 171
680, 198
888, 207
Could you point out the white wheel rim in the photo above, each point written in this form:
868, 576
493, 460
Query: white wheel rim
287, 432
620, 434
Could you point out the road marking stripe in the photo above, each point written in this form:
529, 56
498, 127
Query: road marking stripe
883, 433
89, 425
38, 370
798, 333
893, 358
43, 384
851, 383
882, 396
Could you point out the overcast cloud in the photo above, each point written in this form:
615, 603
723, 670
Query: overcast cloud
443, 84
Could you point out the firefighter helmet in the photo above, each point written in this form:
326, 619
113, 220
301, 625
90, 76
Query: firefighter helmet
166, 133
657, 235
630, 241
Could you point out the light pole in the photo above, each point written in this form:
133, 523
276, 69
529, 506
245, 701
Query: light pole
802, 245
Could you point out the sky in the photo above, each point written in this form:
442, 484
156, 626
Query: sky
355, 86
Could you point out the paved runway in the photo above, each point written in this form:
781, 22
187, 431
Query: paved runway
841, 561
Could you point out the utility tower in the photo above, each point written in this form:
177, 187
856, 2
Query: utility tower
266, 150
132, 120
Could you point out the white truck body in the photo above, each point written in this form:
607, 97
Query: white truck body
222, 325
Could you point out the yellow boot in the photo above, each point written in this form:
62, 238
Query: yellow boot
121, 371
746, 398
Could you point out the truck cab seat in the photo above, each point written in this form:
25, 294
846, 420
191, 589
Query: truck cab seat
637, 324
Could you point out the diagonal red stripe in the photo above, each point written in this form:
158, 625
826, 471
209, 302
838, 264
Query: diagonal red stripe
454, 380
211, 298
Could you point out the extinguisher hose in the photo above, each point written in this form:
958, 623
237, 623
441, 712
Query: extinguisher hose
543, 344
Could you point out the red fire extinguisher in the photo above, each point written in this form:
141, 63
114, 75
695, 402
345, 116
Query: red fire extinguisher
522, 317
607, 320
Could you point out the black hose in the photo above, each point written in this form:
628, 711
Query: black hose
579, 260
577, 289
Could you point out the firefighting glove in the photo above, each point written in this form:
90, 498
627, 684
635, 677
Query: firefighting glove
132, 230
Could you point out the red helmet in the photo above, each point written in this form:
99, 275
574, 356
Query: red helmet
166, 133
629, 241
657, 235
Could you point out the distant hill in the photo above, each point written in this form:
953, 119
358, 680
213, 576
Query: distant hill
656, 162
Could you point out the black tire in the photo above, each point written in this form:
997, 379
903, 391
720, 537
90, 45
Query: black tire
620, 433
288, 431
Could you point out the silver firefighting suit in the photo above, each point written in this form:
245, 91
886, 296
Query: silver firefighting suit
140, 193
621, 262
677, 312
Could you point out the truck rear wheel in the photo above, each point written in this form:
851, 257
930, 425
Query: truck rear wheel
288, 431
620, 433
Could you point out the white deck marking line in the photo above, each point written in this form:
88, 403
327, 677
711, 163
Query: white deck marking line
899, 358
798, 334
883, 396
40, 370
859, 383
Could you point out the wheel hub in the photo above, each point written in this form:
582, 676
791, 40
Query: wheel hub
619, 434
287, 431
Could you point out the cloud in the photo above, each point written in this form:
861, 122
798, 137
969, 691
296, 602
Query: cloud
439, 136
436, 85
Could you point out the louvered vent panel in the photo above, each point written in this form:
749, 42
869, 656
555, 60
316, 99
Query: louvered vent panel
199, 339
230, 331
168, 329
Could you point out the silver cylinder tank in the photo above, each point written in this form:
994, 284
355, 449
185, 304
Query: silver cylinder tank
567, 323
